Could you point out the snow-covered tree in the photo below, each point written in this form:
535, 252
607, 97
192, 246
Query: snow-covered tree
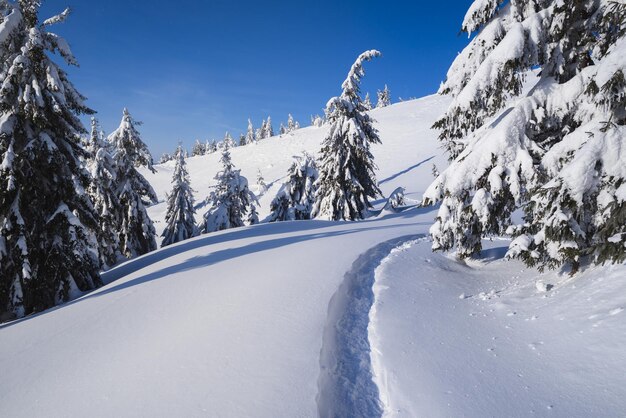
557, 151
347, 180
367, 103
165, 157
103, 190
197, 149
384, 98
260, 132
180, 216
282, 130
260, 182
242, 140
250, 136
48, 240
228, 141
317, 121
268, 131
230, 202
296, 197
210, 147
136, 233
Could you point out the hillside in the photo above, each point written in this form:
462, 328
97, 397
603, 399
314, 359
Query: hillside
309, 318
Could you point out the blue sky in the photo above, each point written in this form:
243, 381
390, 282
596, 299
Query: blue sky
196, 69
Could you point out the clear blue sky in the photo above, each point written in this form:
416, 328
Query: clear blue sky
196, 69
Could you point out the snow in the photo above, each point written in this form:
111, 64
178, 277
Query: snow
313, 318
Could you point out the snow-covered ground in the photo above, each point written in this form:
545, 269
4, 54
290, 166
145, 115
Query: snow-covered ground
300, 319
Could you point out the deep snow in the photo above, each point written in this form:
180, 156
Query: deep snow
304, 318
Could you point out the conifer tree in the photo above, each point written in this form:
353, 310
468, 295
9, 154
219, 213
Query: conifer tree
260, 182
197, 149
210, 147
250, 136
230, 202
282, 130
260, 132
296, 197
268, 130
384, 98
165, 157
347, 180
228, 141
48, 239
242, 140
179, 218
367, 102
103, 189
556, 152
137, 234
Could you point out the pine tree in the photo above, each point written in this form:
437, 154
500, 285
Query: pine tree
260, 182
231, 200
137, 234
210, 147
198, 149
250, 136
347, 180
242, 140
260, 132
179, 218
165, 157
282, 130
317, 121
48, 240
291, 124
103, 190
296, 197
268, 130
228, 141
555, 152
367, 102
384, 98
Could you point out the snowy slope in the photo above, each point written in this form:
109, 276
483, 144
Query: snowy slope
279, 319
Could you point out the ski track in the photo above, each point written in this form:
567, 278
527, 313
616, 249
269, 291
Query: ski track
346, 386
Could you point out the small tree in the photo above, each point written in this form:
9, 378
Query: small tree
260, 182
368, 102
268, 130
228, 141
179, 218
347, 180
296, 197
384, 98
231, 200
137, 234
165, 157
197, 149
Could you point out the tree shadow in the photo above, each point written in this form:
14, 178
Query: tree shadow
398, 174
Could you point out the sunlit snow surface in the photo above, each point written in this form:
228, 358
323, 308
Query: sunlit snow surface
297, 319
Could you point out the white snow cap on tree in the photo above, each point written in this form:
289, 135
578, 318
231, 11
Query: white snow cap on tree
295, 199
180, 220
556, 151
384, 98
347, 180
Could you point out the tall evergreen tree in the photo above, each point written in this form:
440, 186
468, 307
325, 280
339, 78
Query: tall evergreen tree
250, 136
137, 234
48, 240
228, 141
231, 200
179, 218
384, 98
347, 180
103, 189
556, 152
295, 199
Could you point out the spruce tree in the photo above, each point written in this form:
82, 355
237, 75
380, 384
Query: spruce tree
103, 189
556, 152
136, 234
197, 149
347, 180
179, 218
295, 199
165, 157
367, 102
231, 200
268, 131
250, 136
384, 98
48, 226
228, 141
242, 140
260, 182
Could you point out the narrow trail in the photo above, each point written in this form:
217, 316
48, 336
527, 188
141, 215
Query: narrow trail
345, 385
